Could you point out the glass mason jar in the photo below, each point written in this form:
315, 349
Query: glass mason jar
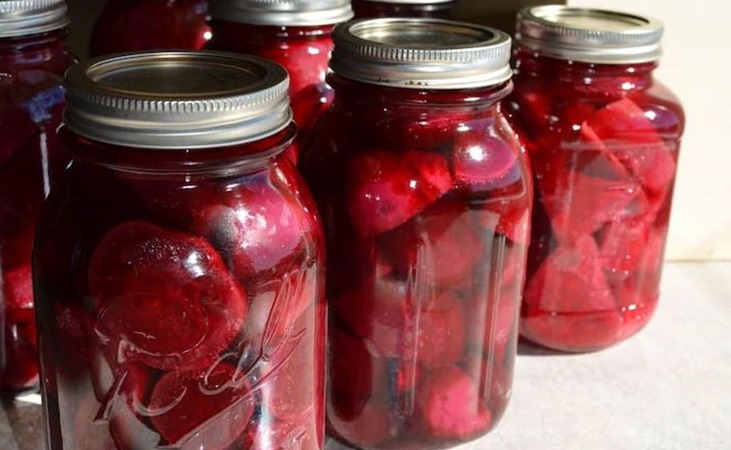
439, 9
294, 33
33, 60
178, 265
603, 138
425, 196
138, 25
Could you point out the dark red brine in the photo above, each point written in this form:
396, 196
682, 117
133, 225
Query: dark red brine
179, 264
437, 9
425, 197
33, 60
138, 25
294, 33
603, 138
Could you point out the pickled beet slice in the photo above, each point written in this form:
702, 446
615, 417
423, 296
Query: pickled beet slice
353, 370
167, 294
570, 280
451, 405
622, 244
625, 126
479, 159
208, 411
257, 233
434, 336
568, 302
16, 128
436, 246
17, 288
384, 189
600, 189
369, 427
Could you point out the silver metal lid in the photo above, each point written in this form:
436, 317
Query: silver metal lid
410, 2
589, 35
176, 100
421, 53
295, 13
26, 17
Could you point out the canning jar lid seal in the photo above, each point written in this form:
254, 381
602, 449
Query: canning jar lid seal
421, 53
27, 17
177, 99
295, 13
589, 35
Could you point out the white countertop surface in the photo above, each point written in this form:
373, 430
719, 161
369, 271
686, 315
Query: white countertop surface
667, 388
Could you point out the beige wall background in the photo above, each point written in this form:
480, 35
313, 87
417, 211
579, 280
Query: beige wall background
697, 42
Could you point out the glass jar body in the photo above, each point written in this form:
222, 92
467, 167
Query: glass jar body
181, 307
603, 142
31, 101
129, 26
426, 199
364, 9
303, 51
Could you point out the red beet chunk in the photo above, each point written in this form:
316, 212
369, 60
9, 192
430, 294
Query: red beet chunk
621, 245
21, 368
435, 336
167, 294
509, 217
354, 370
582, 190
624, 126
570, 280
373, 317
451, 405
16, 128
568, 303
256, 233
385, 189
17, 288
208, 411
438, 246
479, 160
369, 427
529, 110
577, 332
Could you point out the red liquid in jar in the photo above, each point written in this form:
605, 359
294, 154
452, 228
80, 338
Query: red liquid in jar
365, 9
182, 309
138, 25
425, 196
303, 51
31, 101
603, 142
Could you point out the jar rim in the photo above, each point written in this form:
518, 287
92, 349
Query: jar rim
589, 35
282, 12
421, 53
177, 99
20, 18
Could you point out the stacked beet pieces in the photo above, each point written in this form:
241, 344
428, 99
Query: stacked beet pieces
425, 278
606, 198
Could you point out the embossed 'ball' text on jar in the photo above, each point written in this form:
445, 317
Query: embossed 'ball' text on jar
178, 263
